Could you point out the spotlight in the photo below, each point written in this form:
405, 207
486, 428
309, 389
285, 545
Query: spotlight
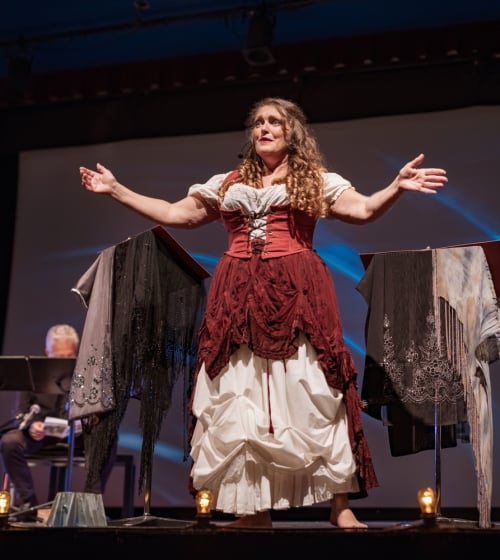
259, 39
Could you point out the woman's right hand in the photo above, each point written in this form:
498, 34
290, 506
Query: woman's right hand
37, 430
100, 181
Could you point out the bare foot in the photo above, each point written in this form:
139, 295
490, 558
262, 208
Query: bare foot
345, 519
260, 519
342, 516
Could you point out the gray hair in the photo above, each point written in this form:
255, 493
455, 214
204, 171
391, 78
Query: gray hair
61, 332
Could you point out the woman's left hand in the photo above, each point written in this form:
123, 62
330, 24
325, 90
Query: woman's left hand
426, 180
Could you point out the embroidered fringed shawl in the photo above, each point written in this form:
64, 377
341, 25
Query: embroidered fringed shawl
432, 330
143, 309
471, 328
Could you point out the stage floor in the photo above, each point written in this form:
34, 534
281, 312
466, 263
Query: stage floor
175, 538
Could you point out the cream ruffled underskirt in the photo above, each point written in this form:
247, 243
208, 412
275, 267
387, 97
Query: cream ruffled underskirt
305, 458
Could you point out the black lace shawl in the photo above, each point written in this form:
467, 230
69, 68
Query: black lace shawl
157, 299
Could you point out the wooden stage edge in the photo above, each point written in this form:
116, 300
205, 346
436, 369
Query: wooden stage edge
398, 534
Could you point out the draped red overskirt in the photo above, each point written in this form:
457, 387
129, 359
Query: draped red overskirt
266, 303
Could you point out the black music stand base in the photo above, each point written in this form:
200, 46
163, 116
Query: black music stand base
148, 520
438, 521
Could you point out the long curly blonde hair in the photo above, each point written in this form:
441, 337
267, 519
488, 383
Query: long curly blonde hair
304, 181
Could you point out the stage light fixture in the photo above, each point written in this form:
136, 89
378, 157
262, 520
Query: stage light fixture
259, 38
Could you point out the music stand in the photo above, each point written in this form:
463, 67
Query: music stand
147, 519
492, 255
40, 374
175, 253
51, 375
15, 374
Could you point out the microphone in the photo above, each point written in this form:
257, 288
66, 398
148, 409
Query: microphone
244, 150
28, 417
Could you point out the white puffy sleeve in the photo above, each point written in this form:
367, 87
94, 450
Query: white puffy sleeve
209, 191
335, 185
